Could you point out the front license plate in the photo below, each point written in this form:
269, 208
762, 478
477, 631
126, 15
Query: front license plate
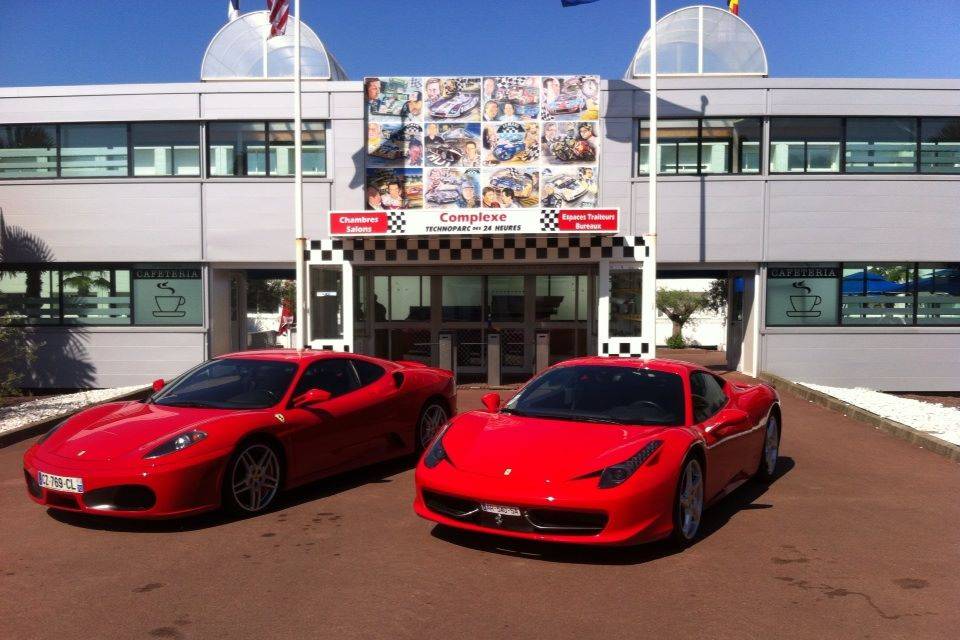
503, 511
60, 483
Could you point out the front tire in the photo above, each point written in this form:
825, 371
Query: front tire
771, 450
433, 416
688, 503
252, 478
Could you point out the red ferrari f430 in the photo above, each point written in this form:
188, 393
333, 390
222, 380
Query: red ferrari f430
235, 431
603, 451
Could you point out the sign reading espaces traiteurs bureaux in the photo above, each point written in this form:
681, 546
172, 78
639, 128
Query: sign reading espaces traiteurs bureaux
491, 154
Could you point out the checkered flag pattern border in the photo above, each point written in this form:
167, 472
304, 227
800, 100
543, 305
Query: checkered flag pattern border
396, 222
549, 220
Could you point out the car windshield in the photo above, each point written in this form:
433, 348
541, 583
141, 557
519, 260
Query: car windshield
231, 383
606, 394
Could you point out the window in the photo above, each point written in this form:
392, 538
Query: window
30, 296
93, 150
940, 145
233, 383
505, 296
326, 313
706, 393
409, 298
237, 148
877, 294
165, 148
28, 151
626, 302
714, 145
314, 152
805, 145
938, 294
367, 371
881, 145
802, 295
333, 375
96, 296
462, 298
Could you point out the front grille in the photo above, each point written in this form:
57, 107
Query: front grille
63, 500
534, 520
124, 497
32, 485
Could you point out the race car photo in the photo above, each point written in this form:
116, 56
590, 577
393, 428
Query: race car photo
602, 451
237, 430
456, 106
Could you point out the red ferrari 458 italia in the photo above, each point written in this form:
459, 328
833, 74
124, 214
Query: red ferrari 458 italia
603, 451
235, 431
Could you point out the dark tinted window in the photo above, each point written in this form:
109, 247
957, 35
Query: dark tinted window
367, 372
706, 393
617, 394
28, 151
335, 376
233, 383
165, 148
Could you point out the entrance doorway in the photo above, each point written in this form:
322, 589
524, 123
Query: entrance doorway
401, 315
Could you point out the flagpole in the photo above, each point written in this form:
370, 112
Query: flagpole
653, 166
300, 313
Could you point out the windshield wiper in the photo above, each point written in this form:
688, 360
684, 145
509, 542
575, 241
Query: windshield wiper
187, 404
573, 418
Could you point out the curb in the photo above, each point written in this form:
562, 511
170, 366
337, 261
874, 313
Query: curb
20, 434
940, 447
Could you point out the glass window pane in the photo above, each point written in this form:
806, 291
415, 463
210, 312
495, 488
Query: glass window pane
881, 145
381, 297
166, 148
88, 150
28, 151
96, 296
938, 294
823, 157
166, 295
281, 149
676, 145
30, 296
729, 141
626, 303
877, 294
805, 144
462, 298
555, 297
505, 298
940, 145
237, 148
800, 295
410, 298
326, 311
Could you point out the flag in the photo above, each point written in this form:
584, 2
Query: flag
573, 3
734, 6
279, 12
286, 318
233, 10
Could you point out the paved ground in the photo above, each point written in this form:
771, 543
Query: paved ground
858, 538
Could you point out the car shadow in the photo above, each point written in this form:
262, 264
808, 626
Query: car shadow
743, 499
381, 472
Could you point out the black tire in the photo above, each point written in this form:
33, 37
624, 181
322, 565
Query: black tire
767, 468
262, 486
684, 531
433, 416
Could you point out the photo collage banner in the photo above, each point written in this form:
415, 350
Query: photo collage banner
495, 142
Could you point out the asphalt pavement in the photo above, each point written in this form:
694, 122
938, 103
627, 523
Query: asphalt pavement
856, 538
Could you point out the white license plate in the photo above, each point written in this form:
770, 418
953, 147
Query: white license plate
60, 483
503, 511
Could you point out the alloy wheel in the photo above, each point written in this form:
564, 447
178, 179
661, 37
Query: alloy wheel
256, 477
691, 499
771, 446
434, 417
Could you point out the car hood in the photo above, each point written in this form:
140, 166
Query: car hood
539, 449
111, 431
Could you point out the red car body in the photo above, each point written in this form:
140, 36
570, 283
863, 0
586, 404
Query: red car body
549, 469
105, 446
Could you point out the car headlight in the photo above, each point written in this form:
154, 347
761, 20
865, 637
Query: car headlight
436, 453
49, 433
178, 443
617, 474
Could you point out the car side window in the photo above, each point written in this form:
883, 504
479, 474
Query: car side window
706, 394
335, 376
367, 372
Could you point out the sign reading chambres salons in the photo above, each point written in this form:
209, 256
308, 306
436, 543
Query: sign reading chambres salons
473, 222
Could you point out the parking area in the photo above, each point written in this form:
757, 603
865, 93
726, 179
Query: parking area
857, 538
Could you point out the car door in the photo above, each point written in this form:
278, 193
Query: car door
326, 436
723, 462
380, 410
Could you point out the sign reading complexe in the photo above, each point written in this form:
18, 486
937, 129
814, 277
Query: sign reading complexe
473, 222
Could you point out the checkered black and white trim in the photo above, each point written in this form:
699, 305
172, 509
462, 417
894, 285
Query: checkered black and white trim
396, 222
625, 348
549, 220
466, 249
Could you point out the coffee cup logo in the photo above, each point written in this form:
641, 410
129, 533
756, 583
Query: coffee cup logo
804, 304
168, 303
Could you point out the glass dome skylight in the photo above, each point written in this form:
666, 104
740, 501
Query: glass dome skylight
238, 50
702, 40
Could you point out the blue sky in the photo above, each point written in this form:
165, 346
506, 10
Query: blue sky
48, 42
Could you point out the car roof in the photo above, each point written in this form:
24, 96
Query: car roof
285, 355
656, 364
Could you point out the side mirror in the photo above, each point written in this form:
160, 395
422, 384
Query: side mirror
311, 398
491, 401
158, 384
726, 419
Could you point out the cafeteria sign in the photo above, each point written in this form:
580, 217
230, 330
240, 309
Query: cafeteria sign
473, 222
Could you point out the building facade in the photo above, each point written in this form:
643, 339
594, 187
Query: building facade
134, 215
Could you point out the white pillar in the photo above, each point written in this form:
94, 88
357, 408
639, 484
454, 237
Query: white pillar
649, 319
302, 306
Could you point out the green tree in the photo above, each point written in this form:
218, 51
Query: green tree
716, 296
16, 354
679, 307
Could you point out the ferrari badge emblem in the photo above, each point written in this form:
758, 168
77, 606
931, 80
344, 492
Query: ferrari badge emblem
507, 471
279, 417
